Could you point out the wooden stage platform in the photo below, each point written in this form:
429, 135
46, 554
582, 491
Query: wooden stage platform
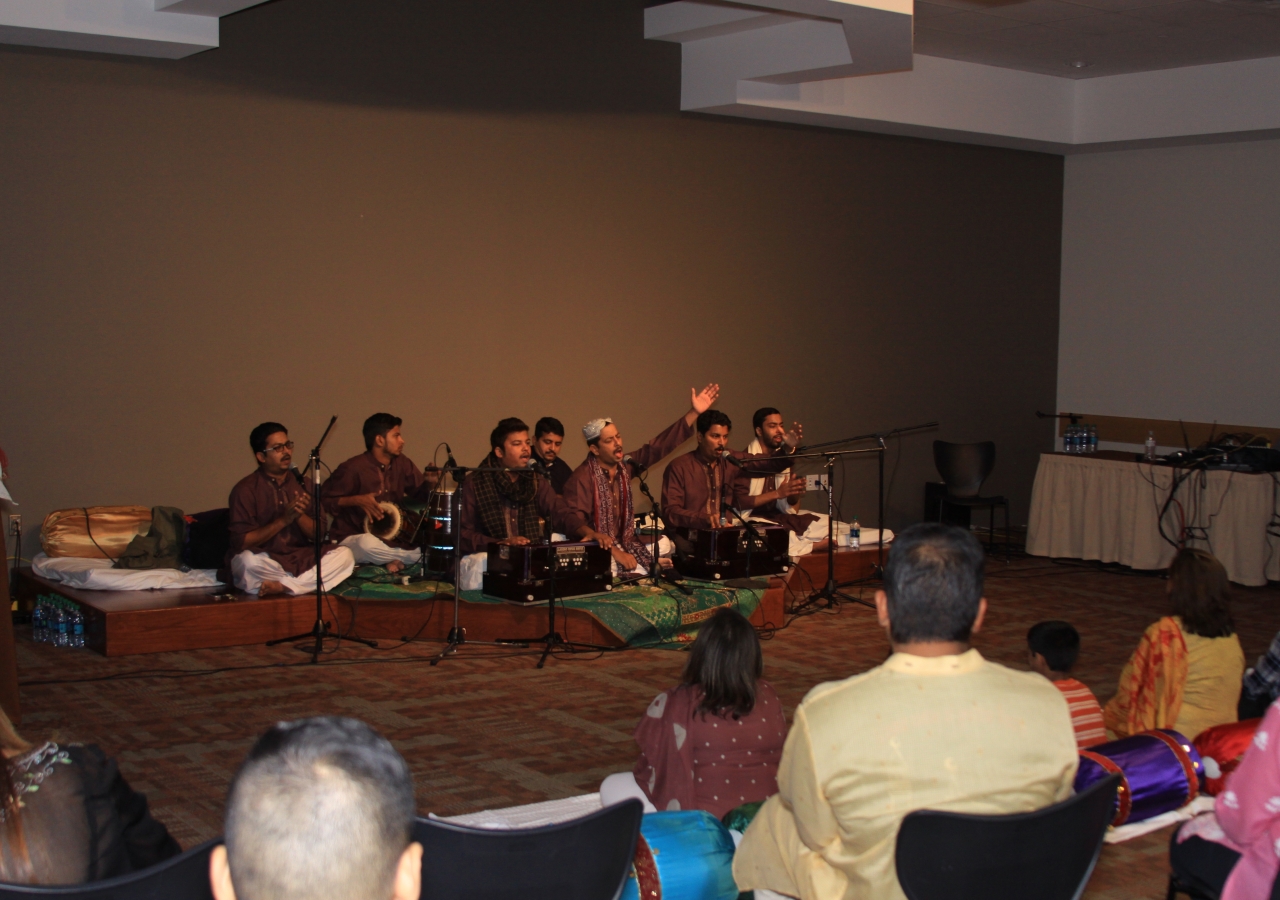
121, 623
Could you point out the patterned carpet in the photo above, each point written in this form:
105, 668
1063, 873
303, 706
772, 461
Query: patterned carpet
488, 729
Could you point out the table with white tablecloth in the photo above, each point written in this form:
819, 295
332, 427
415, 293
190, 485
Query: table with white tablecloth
1107, 507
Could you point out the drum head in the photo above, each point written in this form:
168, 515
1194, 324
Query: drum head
388, 526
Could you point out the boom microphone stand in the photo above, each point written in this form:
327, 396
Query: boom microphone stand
320, 630
659, 528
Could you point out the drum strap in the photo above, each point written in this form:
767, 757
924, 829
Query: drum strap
1188, 767
1124, 796
648, 880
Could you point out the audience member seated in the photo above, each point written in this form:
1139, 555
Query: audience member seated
934, 727
714, 741
1053, 648
1234, 851
68, 816
1261, 683
321, 807
1186, 672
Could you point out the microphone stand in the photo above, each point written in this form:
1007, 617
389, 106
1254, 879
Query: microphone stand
659, 527
457, 634
320, 630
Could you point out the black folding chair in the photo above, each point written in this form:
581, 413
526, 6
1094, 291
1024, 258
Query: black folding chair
182, 877
1048, 854
584, 859
964, 468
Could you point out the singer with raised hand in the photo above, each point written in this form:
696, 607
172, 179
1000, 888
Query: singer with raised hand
698, 486
507, 500
597, 495
272, 525
357, 488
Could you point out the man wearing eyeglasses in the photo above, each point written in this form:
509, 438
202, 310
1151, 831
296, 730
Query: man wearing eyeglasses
357, 488
273, 525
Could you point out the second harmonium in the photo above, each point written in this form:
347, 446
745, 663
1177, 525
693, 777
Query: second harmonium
720, 553
528, 573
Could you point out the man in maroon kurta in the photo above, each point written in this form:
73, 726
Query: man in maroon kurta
272, 525
356, 488
699, 487
512, 504
597, 496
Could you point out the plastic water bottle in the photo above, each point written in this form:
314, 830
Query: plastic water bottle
39, 626
1093, 438
59, 623
855, 535
1151, 445
77, 628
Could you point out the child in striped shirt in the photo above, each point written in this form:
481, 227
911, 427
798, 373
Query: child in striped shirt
1052, 649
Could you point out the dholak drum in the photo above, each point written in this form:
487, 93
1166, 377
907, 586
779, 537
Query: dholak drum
682, 856
441, 530
402, 523
1159, 771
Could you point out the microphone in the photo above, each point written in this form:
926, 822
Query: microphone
293, 470
458, 477
730, 458
635, 467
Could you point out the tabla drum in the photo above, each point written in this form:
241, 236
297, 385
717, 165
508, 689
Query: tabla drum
441, 530
1159, 771
682, 856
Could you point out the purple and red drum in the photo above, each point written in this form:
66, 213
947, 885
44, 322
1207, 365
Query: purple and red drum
1159, 771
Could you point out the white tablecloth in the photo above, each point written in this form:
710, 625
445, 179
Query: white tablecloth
1083, 507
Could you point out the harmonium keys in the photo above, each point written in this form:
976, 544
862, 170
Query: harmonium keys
721, 553
523, 573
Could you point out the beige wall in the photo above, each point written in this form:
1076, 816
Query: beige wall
452, 222
1169, 284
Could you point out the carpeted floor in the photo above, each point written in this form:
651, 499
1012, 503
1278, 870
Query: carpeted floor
488, 729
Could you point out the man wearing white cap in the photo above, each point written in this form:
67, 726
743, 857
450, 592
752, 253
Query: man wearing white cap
597, 496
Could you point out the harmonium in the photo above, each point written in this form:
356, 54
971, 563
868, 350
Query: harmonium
524, 573
720, 553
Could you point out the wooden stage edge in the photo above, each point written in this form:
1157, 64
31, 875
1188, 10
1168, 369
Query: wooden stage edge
122, 623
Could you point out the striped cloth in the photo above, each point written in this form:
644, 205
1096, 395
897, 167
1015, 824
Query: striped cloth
1086, 714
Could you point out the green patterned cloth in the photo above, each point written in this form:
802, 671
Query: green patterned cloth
639, 614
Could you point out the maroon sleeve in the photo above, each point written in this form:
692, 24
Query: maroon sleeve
471, 536
674, 497
551, 507
664, 444
412, 482
243, 513
579, 501
344, 482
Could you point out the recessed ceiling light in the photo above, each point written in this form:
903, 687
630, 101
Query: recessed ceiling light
1078, 64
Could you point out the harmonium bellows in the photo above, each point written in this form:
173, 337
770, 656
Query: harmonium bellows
524, 573
720, 553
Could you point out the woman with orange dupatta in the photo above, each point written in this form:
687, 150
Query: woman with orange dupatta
1186, 672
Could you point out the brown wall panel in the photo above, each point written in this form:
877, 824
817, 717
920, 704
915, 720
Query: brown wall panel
459, 212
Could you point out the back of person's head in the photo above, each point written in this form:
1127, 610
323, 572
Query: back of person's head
321, 807
15, 858
376, 426
933, 584
1058, 642
725, 661
1200, 594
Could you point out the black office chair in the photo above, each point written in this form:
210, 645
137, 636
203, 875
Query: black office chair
964, 467
182, 877
585, 859
1048, 854
1178, 885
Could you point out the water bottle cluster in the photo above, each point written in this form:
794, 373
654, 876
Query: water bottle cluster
57, 621
1080, 439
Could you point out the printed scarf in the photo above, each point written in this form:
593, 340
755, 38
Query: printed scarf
494, 490
619, 524
1149, 694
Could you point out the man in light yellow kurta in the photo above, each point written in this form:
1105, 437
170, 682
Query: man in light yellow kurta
935, 727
